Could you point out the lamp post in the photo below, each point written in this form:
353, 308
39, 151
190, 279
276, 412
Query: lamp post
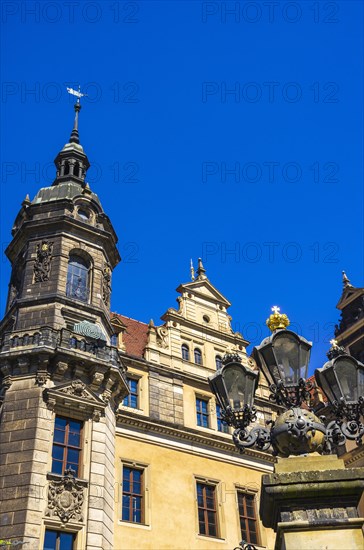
284, 357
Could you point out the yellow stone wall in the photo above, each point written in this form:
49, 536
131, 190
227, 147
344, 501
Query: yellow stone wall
172, 469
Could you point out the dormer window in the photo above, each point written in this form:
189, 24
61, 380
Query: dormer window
78, 278
185, 352
198, 356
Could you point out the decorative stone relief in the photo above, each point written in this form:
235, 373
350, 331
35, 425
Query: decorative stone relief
77, 387
66, 498
41, 377
42, 264
106, 285
162, 337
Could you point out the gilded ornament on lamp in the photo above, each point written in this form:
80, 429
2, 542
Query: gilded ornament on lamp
277, 320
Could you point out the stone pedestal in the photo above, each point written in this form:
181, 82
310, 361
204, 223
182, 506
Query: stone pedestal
312, 502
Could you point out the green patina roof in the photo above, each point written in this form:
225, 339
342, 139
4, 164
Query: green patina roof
64, 190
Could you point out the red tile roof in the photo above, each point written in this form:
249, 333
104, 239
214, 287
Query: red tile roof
135, 335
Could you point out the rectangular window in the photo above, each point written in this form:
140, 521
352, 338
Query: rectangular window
133, 495
202, 411
248, 518
221, 425
66, 449
132, 400
206, 504
57, 540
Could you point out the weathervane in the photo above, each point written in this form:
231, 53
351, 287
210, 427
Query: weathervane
76, 93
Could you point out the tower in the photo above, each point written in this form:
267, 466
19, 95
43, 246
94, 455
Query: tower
61, 380
350, 331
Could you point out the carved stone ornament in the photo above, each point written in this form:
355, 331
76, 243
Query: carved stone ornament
106, 285
41, 377
42, 264
162, 337
66, 498
77, 387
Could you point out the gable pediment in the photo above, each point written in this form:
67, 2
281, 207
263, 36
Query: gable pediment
77, 395
204, 289
349, 295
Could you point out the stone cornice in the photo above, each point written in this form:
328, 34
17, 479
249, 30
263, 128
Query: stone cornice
231, 337
182, 433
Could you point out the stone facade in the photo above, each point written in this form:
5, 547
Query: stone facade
137, 393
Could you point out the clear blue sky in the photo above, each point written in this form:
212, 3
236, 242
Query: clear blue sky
163, 131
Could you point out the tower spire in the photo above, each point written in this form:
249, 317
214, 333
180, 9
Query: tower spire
72, 162
75, 138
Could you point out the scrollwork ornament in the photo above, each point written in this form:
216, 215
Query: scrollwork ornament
42, 264
162, 337
66, 498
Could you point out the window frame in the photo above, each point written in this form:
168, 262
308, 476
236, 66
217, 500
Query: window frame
58, 537
65, 446
77, 258
199, 411
185, 350
197, 352
206, 510
130, 394
218, 358
246, 518
142, 495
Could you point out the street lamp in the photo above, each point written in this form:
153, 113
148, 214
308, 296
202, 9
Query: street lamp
342, 381
284, 358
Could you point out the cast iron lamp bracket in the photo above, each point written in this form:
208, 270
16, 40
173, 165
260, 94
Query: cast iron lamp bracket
291, 396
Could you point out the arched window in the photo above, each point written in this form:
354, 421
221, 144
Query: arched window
185, 352
218, 362
198, 356
114, 340
78, 278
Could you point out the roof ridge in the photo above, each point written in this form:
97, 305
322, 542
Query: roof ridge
130, 318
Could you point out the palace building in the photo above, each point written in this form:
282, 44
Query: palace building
110, 435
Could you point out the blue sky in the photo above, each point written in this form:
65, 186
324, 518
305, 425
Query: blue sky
237, 137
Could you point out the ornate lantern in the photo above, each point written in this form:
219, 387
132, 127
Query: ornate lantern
342, 381
234, 386
284, 357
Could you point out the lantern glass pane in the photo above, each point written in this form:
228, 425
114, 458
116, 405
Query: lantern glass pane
249, 389
287, 353
330, 385
235, 379
346, 373
360, 381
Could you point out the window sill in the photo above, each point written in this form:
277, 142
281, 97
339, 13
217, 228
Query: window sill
134, 525
215, 539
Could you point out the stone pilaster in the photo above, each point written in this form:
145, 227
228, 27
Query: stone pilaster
100, 525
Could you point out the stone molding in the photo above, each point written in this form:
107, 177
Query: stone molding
210, 440
76, 395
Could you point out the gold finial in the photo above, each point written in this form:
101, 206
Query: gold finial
334, 343
192, 270
277, 320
